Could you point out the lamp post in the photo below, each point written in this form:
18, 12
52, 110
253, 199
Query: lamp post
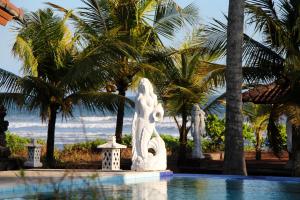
111, 154
34, 154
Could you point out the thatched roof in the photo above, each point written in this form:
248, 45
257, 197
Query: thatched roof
267, 94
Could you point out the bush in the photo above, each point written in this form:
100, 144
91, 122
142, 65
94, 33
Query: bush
83, 146
283, 134
126, 140
249, 136
215, 129
16, 143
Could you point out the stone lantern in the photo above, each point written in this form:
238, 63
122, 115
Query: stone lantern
111, 154
34, 154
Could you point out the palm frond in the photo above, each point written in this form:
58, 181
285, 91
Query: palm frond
262, 63
99, 101
22, 49
169, 17
9, 81
263, 14
216, 105
13, 101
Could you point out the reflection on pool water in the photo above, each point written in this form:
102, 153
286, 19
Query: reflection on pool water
183, 187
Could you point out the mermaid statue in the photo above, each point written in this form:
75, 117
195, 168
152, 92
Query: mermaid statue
148, 148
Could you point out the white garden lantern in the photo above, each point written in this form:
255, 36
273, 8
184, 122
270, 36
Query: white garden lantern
34, 154
111, 154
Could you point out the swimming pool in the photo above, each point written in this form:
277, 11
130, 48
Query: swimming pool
183, 187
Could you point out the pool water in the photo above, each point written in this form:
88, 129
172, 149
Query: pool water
186, 187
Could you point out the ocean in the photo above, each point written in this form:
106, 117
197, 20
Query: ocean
83, 126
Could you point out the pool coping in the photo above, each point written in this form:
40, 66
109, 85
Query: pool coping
238, 177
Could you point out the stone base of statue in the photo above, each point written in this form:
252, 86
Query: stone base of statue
197, 154
156, 159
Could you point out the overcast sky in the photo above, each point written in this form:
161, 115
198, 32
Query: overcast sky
208, 9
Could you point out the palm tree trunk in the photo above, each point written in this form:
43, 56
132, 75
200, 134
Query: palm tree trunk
120, 115
183, 138
296, 151
258, 145
234, 162
51, 134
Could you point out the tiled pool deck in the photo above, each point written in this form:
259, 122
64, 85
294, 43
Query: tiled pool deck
45, 180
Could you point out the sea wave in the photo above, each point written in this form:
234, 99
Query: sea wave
78, 128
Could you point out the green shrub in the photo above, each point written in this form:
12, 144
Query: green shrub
249, 136
126, 140
283, 135
16, 143
83, 146
215, 129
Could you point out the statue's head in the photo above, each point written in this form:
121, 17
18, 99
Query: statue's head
196, 108
145, 87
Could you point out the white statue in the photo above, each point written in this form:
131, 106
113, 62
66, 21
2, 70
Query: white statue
198, 130
144, 135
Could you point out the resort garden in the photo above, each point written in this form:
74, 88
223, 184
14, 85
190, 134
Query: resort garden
93, 58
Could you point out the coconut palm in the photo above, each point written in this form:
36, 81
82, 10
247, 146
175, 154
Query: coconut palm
258, 116
51, 83
129, 28
274, 62
281, 34
186, 77
234, 161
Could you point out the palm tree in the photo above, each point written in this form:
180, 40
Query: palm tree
129, 28
281, 35
186, 77
272, 64
234, 161
258, 116
51, 82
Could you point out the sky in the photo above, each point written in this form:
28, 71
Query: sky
208, 9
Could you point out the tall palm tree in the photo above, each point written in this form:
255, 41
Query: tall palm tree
129, 28
258, 116
234, 161
186, 77
51, 61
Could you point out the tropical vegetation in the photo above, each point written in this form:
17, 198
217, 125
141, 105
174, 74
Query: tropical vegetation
50, 56
272, 63
186, 77
111, 44
258, 116
127, 30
